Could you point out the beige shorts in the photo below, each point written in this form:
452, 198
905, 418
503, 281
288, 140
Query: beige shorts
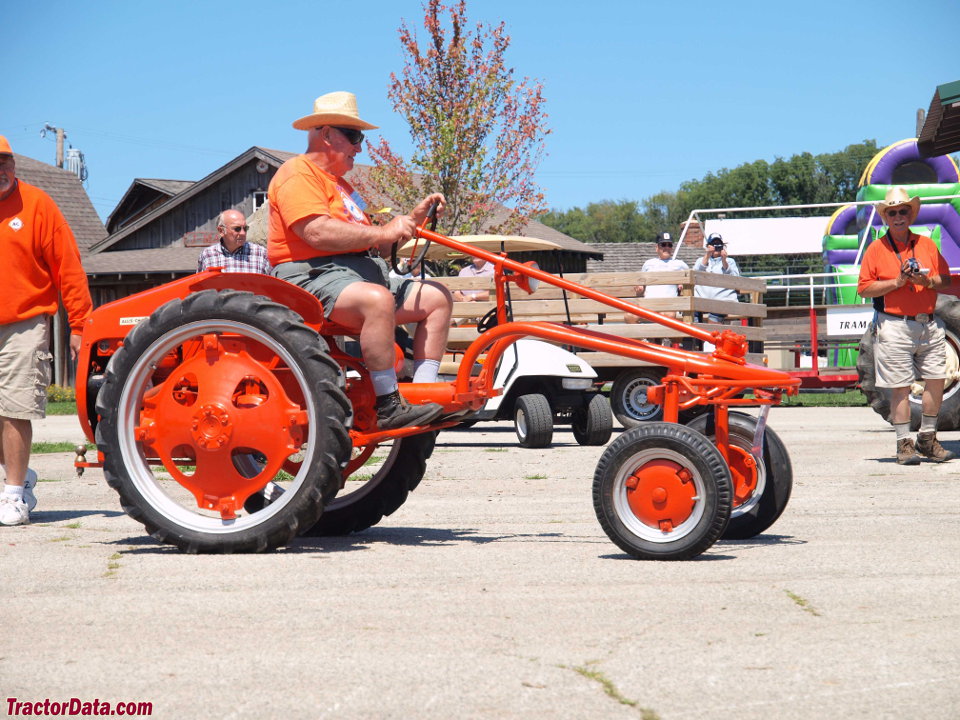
24, 369
907, 350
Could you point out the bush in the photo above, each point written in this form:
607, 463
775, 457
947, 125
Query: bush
58, 393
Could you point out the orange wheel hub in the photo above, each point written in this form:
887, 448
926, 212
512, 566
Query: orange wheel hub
211, 411
743, 472
661, 494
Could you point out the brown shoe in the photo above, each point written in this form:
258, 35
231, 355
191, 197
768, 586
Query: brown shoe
394, 412
928, 445
907, 453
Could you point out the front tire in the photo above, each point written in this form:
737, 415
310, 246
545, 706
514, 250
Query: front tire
212, 399
662, 491
761, 484
533, 421
592, 423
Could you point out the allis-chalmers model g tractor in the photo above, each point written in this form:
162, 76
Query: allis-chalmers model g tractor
229, 418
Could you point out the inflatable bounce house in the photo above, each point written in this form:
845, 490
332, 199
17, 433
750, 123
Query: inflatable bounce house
934, 180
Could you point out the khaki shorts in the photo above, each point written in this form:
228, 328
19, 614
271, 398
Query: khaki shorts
326, 277
907, 350
24, 369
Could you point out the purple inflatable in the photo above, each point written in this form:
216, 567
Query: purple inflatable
901, 153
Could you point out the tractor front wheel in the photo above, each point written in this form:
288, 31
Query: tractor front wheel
662, 491
761, 483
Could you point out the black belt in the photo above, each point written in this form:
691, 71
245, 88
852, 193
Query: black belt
920, 317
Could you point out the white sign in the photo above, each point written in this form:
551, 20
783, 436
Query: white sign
849, 320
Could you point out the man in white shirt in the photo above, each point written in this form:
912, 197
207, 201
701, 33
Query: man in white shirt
663, 262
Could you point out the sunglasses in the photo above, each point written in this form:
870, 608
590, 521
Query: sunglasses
666, 245
353, 136
239, 228
902, 211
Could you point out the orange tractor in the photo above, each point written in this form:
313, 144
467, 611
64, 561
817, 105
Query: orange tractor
230, 417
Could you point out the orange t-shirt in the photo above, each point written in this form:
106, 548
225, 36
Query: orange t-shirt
301, 190
41, 259
880, 262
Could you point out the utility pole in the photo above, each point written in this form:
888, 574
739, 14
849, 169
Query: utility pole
61, 135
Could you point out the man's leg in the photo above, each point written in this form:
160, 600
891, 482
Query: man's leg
371, 308
15, 438
900, 419
429, 306
927, 443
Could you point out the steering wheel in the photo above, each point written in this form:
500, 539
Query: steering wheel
488, 321
415, 259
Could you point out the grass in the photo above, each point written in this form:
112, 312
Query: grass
803, 603
611, 690
40, 448
847, 398
61, 407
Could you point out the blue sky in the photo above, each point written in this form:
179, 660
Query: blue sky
641, 96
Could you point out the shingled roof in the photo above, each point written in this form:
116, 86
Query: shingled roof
630, 256
67, 192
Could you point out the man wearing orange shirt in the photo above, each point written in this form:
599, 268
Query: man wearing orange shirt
320, 239
902, 271
42, 258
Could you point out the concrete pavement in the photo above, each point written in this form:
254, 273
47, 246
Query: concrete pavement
494, 593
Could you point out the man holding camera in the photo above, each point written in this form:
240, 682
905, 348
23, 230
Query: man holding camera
716, 260
902, 271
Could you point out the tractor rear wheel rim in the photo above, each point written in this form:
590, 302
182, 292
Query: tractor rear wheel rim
157, 491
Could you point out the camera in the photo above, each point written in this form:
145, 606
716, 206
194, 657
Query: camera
913, 266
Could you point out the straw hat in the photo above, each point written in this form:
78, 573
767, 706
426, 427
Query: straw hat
897, 196
336, 108
5, 146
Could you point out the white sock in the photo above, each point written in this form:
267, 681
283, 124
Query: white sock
928, 423
384, 381
425, 371
903, 430
13, 491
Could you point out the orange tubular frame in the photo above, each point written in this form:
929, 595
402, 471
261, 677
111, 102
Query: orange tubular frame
720, 375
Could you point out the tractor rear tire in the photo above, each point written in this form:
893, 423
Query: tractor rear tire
592, 423
948, 309
382, 493
662, 491
169, 394
754, 511
533, 421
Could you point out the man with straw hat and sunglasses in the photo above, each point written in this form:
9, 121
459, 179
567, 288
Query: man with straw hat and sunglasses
902, 272
320, 239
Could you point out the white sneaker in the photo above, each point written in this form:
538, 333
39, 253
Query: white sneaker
13, 512
30, 482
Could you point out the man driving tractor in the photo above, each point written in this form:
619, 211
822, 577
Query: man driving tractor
320, 239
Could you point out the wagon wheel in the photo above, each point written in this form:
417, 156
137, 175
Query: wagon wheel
206, 402
419, 251
662, 491
628, 397
379, 481
761, 483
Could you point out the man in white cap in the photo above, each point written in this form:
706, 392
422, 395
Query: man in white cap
902, 271
320, 239
42, 262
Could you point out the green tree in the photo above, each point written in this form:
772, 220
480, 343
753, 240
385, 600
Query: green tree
478, 133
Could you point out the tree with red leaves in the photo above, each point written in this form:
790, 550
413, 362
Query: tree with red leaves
478, 134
